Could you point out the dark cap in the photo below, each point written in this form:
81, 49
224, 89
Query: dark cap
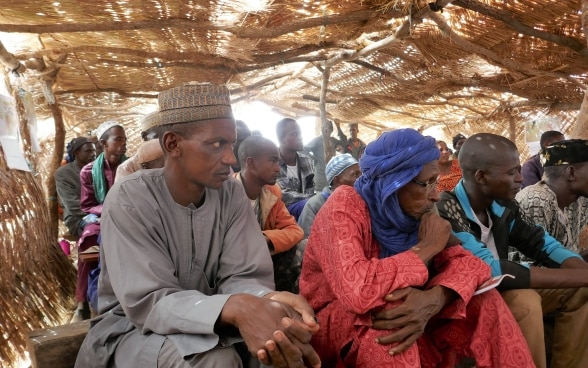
458, 138
77, 143
566, 152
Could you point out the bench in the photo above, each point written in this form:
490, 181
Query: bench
56, 347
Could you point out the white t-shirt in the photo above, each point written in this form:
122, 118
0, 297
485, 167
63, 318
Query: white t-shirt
487, 237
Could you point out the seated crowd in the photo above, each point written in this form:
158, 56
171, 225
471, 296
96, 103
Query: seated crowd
219, 248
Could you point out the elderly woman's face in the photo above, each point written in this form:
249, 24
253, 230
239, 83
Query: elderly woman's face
419, 196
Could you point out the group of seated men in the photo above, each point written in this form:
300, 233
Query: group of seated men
82, 185
390, 268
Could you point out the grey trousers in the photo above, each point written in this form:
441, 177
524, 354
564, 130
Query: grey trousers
169, 357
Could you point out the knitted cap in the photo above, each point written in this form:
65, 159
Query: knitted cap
337, 165
567, 152
457, 138
102, 128
78, 142
193, 102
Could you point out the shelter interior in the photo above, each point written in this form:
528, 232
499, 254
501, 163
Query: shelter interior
461, 66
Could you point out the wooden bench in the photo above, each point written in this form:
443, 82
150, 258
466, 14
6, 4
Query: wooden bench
56, 347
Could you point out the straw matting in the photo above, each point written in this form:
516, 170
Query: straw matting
476, 66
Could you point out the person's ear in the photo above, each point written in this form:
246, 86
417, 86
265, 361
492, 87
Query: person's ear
170, 142
480, 177
571, 173
250, 162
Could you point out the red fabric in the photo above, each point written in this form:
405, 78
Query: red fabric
449, 181
344, 281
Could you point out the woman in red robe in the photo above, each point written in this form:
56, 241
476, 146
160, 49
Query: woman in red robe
389, 284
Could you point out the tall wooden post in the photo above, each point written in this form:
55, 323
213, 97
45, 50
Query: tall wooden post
512, 127
325, 129
55, 161
580, 129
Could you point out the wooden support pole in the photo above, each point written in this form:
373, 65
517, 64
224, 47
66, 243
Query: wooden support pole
9, 61
512, 127
55, 161
326, 125
580, 129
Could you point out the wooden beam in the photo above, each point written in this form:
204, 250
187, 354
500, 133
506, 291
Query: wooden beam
106, 90
244, 31
514, 23
56, 158
56, 347
400, 33
326, 125
491, 55
580, 129
10, 61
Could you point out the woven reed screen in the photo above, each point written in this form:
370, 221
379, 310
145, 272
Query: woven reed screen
37, 281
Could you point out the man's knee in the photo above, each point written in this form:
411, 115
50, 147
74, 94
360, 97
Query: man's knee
523, 303
217, 358
578, 298
170, 357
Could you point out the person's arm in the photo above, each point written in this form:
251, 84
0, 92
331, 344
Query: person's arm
342, 246
149, 289
287, 233
308, 214
290, 194
70, 199
126, 168
88, 202
450, 209
457, 275
535, 207
534, 242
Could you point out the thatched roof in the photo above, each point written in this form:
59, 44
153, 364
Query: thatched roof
463, 65
391, 63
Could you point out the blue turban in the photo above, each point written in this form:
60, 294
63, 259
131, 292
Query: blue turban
388, 164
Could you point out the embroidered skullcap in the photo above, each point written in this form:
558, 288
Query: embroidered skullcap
337, 165
566, 152
194, 102
102, 128
149, 151
458, 138
149, 121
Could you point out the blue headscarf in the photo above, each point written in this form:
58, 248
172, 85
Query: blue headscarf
388, 164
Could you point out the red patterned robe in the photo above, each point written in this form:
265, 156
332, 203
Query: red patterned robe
448, 181
344, 281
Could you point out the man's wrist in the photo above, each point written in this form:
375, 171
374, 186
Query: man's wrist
442, 295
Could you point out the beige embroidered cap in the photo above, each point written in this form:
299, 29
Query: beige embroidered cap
193, 102
149, 121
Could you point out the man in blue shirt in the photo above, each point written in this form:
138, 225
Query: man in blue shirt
486, 218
